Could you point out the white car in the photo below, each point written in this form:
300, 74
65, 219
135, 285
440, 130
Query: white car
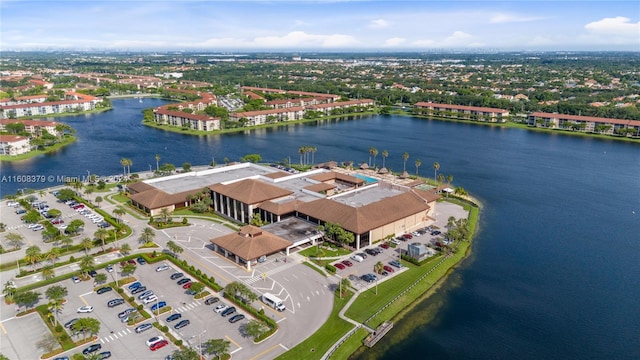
220, 308
31, 226
154, 340
150, 299
38, 228
162, 268
12, 203
85, 309
357, 258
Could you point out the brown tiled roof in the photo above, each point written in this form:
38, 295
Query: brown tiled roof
267, 112
155, 198
280, 208
250, 191
320, 187
276, 175
139, 187
251, 242
332, 175
11, 138
586, 118
364, 218
461, 107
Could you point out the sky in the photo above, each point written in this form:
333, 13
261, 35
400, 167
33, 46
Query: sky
320, 25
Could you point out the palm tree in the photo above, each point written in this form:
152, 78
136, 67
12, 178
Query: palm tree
157, 163
101, 234
118, 212
405, 157
66, 241
371, 151
165, 213
375, 154
313, 154
440, 178
47, 272
56, 295
436, 167
129, 163
378, 268
53, 255
301, 151
86, 264
86, 244
33, 255
123, 162
418, 163
147, 235
15, 240
385, 153
98, 200
449, 179
125, 249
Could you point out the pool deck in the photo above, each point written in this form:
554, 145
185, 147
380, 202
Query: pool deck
391, 178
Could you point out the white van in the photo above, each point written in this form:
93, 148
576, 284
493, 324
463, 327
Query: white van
273, 301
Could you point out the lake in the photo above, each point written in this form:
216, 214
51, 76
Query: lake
554, 272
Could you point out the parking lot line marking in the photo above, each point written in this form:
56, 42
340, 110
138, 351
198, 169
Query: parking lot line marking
83, 300
102, 340
85, 294
3, 328
284, 347
266, 351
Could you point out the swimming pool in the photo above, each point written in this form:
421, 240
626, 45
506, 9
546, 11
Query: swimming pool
367, 179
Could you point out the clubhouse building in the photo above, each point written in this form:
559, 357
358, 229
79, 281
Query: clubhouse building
292, 205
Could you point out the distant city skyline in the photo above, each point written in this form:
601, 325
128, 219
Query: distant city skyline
320, 25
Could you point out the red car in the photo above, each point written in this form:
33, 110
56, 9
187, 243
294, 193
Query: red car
79, 206
57, 221
339, 266
407, 236
388, 268
187, 285
384, 246
158, 345
347, 263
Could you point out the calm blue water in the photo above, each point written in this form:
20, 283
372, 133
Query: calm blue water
367, 179
555, 268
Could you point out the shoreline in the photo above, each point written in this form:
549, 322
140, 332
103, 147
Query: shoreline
34, 153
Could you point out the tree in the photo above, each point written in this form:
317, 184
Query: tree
74, 226
128, 269
216, 347
86, 264
197, 287
436, 167
147, 235
378, 268
66, 241
101, 234
449, 179
256, 220
241, 291
48, 272
48, 342
54, 213
385, 153
15, 240
56, 292
101, 278
33, 255
174, 248
440, 178
66, 194
125, 249
87, 325
186, 167
32, 216
345, 284
167, 168
418, 163
86, 244
27, 299
375, 154
53, 255
405, 157
165, 213
252, 158
255, 328
118, 212
157, 163
98, 200
186, 353
9, 289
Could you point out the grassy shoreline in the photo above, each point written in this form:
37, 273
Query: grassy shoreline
31, 154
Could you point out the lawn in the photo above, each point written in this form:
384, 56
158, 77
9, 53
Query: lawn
323, 251
317, 344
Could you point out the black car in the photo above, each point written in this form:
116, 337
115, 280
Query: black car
105, 355
177, 275
139, 290
104, 225
104, 289
174, 317
228, 311
115, 302
93, 273
371, 252
183, 281
236, 318
69, 324
211, 300
182, 324
91, 349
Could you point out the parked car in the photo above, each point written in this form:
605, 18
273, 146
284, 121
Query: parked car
371, 252
115, 302
407, 236
104, 225
384, 246
150, 299
141, 260
436, 233
91, 349
220, 308
138, 290
109, 268
104, 289
75, 279
162, 268
183, 281
176, 275
57, 221
93, 273
236, 318
70, 323
174, 317
143, 327
388, 269
357, 258
145, 294
362, 255
211, 300
136, 284
154, 340
347, 263
158, 345
12, 203
182, 324
85, 309
104, 355
396, 263
187, 285
339, 266
158, 305
228, 311
126, 312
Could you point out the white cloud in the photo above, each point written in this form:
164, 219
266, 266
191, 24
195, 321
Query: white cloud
456, 40
619, 26
395, 41
379, 24
295, 39
509, 18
